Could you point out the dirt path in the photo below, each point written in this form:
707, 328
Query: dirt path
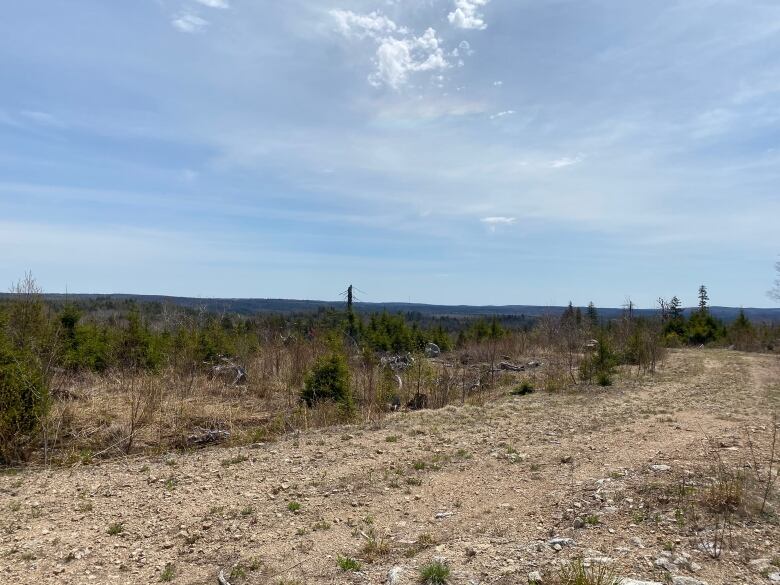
503, 479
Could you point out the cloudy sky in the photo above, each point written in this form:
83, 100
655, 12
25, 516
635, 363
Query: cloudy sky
448, 151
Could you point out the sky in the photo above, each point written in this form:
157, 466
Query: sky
440, 151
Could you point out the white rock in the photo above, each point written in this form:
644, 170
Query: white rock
638, 582
394, 575
534, 577
680, 580
560, 541
660, 467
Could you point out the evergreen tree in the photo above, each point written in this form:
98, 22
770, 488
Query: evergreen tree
703, 298
593, 315
675, 308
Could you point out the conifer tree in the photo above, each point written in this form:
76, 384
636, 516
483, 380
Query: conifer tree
703, 298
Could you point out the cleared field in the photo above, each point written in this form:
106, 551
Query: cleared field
614, 476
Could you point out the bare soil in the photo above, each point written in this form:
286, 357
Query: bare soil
485, 488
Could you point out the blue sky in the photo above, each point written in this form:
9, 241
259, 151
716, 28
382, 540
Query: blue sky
444, 151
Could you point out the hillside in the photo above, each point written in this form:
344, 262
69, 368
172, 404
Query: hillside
289, 306
498, 492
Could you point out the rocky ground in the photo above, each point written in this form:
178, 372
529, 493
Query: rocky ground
516, 487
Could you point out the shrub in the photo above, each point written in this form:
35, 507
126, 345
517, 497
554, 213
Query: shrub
525, 388
600, 365
24, 401
435, 573
328, 380
576, 573
348, 564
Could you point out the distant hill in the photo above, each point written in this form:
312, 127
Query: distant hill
288, 306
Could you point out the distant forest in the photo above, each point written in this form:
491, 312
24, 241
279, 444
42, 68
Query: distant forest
509, 315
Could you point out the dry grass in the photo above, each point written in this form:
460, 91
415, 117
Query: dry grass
102, 416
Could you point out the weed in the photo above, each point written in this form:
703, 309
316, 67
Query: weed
392, 439
374, 546
592, 520
116, 528
576, 573
293, 507
168, 572
234, 460
435, 573
525, 388
348, 564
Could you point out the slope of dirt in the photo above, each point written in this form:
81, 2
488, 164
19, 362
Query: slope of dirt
486, 488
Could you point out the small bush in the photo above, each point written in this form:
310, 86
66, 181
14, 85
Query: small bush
115, 528
600, 365
525, 388
576, 573
168, 572
435, 573
328, 380
24, 401
348, 564
293, 507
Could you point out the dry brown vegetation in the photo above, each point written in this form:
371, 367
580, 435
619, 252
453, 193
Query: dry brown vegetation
100, 416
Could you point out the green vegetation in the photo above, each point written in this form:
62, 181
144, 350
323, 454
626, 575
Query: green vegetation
435, 573
524, 388
348, 564
328, 380
168, 573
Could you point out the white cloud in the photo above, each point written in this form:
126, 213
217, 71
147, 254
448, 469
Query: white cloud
215, 3
565, 161
373, 25
463, 49
396, 58
498, 83
398, 52
190, 23
502, 114
495, 222
467, 16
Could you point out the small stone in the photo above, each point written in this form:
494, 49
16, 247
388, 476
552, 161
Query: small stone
637, 542
680, 580
534, 577
579, 522
665, 563
774, 577
760, 565
660, 467
394, 575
